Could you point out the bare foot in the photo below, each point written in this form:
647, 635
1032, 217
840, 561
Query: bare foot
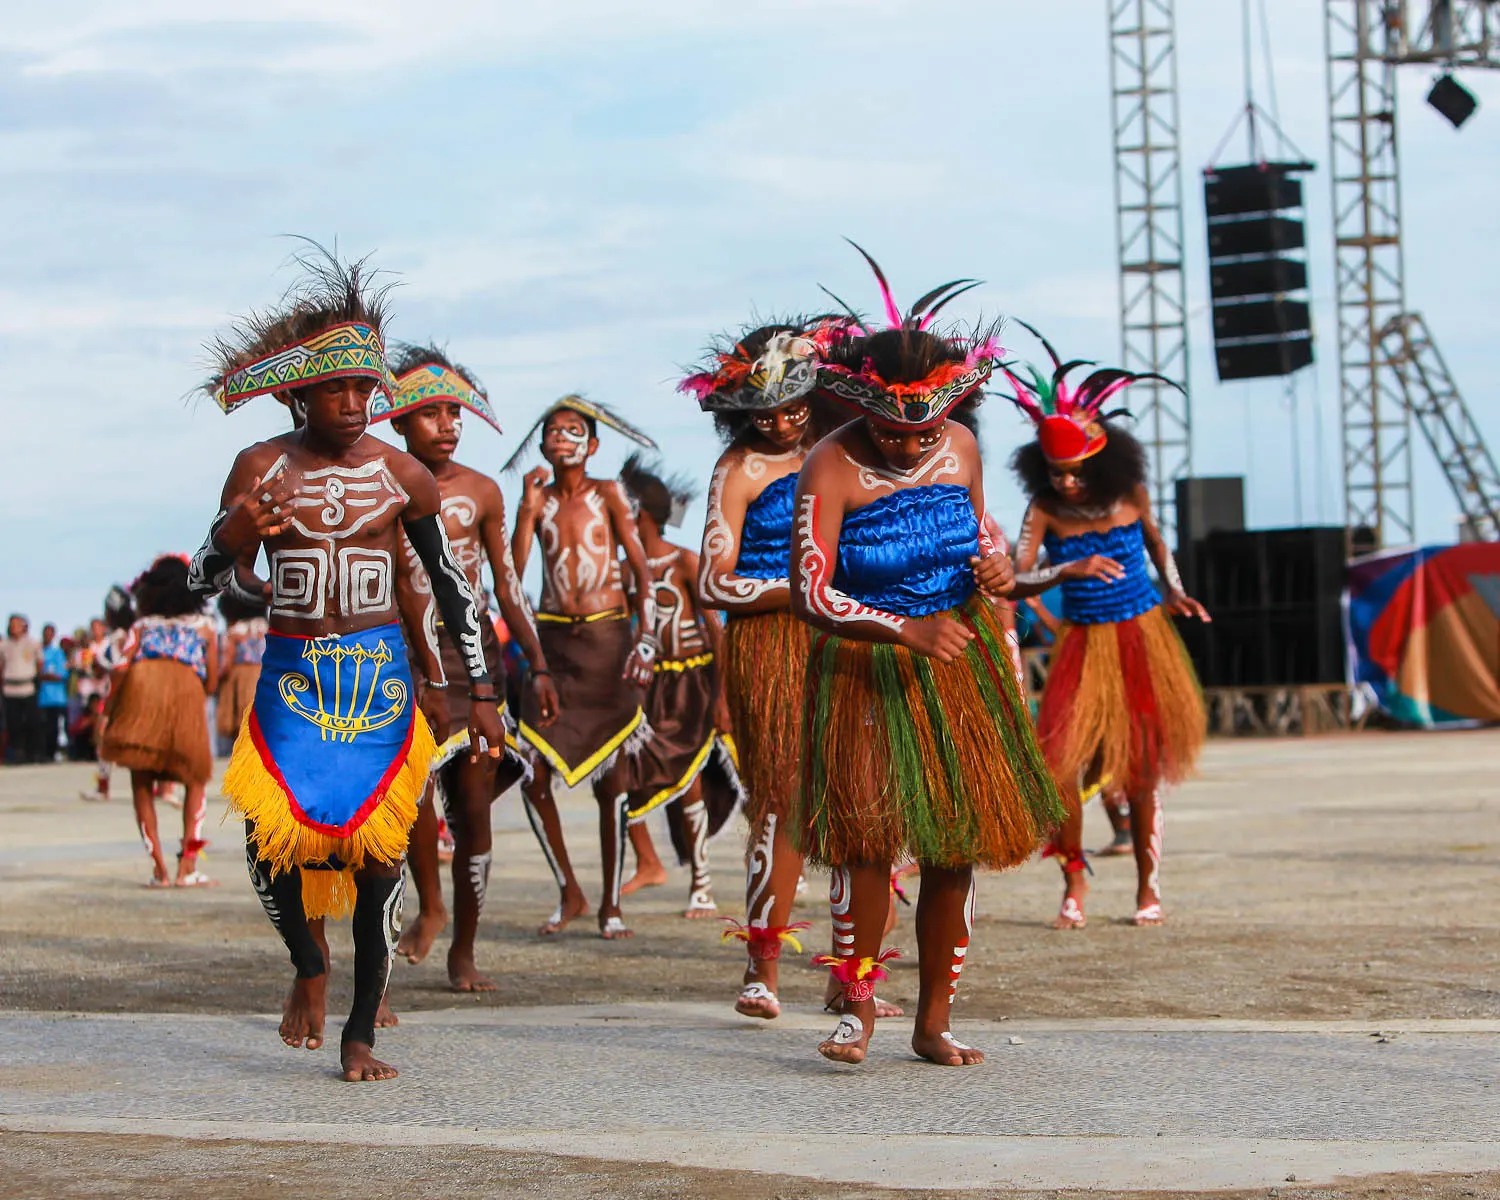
700, 906
945, 1050
361, 1066
1119, 846
384, 1017
302, 1014
464, 976
851, 1039
833, 1001
1071, 915
757, 1000
612, 927
1148, 911
572, 906
650, 875
416, 942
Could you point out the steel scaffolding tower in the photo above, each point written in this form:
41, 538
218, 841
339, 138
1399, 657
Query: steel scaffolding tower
1366, 41
1148, 226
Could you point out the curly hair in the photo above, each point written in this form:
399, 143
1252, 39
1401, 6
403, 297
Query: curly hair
233, 607
162, 591
1111, 475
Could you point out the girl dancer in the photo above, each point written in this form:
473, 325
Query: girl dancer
158, 721
1122, 708
918, 743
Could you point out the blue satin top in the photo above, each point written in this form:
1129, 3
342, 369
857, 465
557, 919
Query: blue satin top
908, 553
1103, 601
766, 539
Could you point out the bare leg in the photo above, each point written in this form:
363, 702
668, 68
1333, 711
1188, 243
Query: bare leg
469, 818
280, 896
142, 794
839, 899
701, 888
773, 867
1146, 819
377, 927
859, 899
612, 833
422, 858
945, 921
649, 871
541, 811
1116, 808
1067, 844
194, 809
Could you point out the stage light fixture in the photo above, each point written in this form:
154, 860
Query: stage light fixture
1453, 100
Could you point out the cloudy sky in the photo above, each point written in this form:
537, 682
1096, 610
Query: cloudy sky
574, 195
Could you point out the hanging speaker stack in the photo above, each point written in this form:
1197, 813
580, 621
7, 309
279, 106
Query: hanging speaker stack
1257, 275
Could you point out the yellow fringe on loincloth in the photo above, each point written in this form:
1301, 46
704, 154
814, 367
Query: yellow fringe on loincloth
285, 842
763, 670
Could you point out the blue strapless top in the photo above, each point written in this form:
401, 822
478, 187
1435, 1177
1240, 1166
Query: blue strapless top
1103, 601
766, 539
908, 553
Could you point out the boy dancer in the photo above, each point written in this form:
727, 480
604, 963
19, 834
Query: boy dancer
333, 754
599, 664
432, 395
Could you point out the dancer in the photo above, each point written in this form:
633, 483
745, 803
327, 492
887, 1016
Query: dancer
245, 634
688, 764
600, 666
158, 720
333, 753
918, 743
1122, 707
432, 395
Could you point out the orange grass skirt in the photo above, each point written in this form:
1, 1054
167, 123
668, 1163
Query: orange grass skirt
158, 722
764, 675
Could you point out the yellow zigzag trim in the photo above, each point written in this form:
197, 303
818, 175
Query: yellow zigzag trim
573, 776
668, 794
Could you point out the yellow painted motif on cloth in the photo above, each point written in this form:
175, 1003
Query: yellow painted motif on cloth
347, 720
684, 664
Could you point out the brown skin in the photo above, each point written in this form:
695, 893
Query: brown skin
591, 519
841, 487
432, 435
1042, 517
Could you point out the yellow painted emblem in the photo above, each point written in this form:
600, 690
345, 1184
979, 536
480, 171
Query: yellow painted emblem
347, 718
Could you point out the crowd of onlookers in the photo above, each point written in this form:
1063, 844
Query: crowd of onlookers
54, 688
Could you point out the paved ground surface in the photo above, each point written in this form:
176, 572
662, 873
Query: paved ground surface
1319, 892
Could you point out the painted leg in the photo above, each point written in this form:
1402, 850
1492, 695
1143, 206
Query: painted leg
839, 901
194, 809
945, 922
1067, 846
469, 818
613, 826
541, 811
1147, 821
858, 932
377, 928
701, 887
649, 871
422, 860
142, 795
281, 898
773, 867
1117, 809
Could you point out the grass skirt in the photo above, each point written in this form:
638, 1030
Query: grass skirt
1122, 703
158, 722
912, 758
764, 673
236, 692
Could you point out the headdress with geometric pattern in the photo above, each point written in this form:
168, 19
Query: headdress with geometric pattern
592, 409
425, 375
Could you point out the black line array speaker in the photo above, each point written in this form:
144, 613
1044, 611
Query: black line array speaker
1254, 223
1275, 596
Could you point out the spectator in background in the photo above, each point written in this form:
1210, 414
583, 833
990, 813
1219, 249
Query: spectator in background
21, 655
52, 694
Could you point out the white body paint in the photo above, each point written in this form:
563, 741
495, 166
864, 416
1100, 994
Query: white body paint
816, 580
717, 580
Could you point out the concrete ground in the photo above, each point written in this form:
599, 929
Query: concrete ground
1322, 1004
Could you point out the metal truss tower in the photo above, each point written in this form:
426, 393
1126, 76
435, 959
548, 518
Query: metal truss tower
1148, 224
1382, 383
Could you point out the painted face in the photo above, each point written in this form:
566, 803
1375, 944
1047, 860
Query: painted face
338, 409
433, 431
786, 426
1067, 481
566, 441
904, 450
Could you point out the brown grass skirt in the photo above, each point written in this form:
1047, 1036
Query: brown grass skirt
236, 692
1122, 703
158, 722
911, 757
764, 672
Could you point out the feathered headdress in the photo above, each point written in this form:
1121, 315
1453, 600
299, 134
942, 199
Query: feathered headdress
327, 327
906, 375
592, 409
666, 499
425, 375
1070, 420
765, 367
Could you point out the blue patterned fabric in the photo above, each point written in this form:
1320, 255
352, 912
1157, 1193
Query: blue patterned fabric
180, 639
908, 553
766, 539
333, 721
1103, 601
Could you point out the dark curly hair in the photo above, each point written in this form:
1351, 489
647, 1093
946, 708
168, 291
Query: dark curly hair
233, 607
162, 591
1112, 474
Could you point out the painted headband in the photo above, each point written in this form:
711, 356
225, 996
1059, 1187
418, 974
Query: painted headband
351, 349
429, 384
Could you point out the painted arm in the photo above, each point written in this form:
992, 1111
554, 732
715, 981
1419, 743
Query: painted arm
1031, 579
419, 615
993, 573
643, 596
1177, 601
718, 583
533, 492
815, 544
515, 608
